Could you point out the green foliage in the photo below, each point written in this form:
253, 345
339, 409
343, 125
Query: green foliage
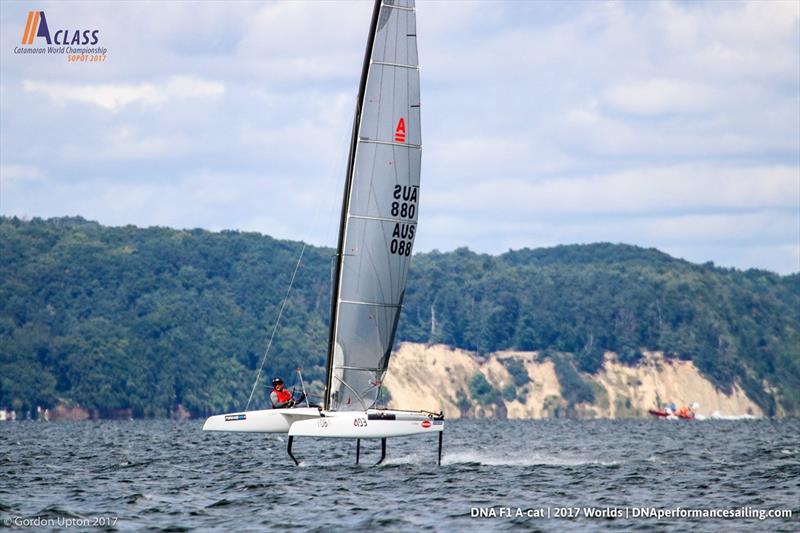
384, 397
573, 388
624, 407
517, 370
600, 395
555, 407
590, 359
509, 392
144, 319
586, 300
522, 395
482, 391
462, 402
629, 356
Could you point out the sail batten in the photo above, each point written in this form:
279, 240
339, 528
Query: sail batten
398, 7
380, 211
389, 143
375, 304
399, 65
383, 219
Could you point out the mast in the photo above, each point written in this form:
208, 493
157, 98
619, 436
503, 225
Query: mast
346, 200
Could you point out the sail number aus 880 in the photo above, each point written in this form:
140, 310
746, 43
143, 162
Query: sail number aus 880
403, 209
405, 201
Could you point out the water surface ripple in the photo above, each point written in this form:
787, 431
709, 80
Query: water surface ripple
165, 475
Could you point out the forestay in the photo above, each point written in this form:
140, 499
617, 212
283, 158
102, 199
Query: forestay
381, 207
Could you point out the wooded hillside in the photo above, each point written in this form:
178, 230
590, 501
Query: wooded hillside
146, 319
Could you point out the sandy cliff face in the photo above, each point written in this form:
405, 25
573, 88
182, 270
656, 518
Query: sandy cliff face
656, 380
437, 378
430, 377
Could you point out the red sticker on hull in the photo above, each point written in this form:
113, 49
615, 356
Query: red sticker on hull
426, 424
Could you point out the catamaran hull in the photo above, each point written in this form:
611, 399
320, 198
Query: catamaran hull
264, 421
369, 425
314, 422
311, 422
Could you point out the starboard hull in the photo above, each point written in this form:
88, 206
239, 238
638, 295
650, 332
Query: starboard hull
372, 424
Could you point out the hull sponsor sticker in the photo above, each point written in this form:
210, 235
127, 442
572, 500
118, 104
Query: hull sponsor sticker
233, 418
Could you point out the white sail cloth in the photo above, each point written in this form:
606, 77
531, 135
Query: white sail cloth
381, 212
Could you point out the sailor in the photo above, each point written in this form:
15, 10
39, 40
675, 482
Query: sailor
280, 397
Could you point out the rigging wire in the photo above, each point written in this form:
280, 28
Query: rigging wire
275, 327
328, 211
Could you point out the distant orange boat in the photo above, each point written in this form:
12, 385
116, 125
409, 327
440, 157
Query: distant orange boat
683, 413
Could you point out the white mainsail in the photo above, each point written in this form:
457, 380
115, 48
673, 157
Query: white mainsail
380, 210
376, 237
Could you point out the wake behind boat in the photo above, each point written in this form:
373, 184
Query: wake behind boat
376, 235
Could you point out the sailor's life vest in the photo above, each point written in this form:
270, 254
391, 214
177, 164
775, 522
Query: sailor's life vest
283, 395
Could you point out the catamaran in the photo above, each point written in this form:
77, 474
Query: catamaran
376, 235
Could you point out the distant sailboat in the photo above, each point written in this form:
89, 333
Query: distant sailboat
376, 235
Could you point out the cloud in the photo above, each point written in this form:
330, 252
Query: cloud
761, 239
113, 97
658, 96
682, 188
715, 229
666, 124
776, 257
305, 42
126, 143
197, 198
20, 173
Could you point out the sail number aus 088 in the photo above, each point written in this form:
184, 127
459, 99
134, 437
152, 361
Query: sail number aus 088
400, 247
402, 238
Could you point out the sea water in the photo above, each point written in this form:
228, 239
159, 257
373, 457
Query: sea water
495, 476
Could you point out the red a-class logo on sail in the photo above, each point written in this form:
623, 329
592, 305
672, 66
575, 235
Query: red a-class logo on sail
400, 131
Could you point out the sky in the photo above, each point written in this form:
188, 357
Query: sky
673, 125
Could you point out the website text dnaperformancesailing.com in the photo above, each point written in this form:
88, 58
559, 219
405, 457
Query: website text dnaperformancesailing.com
557, 512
